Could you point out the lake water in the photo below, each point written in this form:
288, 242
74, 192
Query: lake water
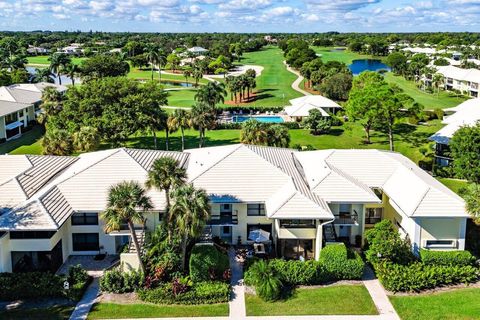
178, 84
358, 66
65, 79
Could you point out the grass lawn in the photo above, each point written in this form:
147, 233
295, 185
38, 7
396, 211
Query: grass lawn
147, 75
43, 60
28, 143
51, 313
339, 300
345, 56
461, 304
454, 184
428, 100
181, 98
120, 311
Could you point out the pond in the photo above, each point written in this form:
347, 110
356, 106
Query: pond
358, 66
65, 79
178, 84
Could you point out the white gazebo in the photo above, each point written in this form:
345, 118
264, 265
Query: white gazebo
300, 107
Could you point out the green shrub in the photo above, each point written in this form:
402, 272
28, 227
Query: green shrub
439, 113
340, 263
419, 276
207, 263
199, 293
265, 279
76, 274
295, 272
30, 285
385, 244
116, 281
447, 258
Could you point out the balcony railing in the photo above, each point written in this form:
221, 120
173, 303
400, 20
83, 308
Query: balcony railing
372, 220
219, 220
346, 218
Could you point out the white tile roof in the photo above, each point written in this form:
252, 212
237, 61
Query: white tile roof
471, 75
466, 114
292, 184
300, 107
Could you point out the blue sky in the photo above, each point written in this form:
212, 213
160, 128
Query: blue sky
241, 15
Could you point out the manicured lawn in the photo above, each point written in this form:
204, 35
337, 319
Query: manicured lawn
461, 304
454, 184
408, 139
274, 85
43, 60
121, 311
181, 98
345, 56
28, 143
146, 74
428, 100
52, 313
339, 300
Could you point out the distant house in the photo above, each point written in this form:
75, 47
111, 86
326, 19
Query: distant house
73, 48
300, 107
465, 114
466, 81
19, 106
37, 50
197, 51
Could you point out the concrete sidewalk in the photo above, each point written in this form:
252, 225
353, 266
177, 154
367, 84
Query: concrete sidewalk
237, 300
86, 303
298, 81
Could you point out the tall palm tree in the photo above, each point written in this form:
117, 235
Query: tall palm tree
58, 61
190, 212
180, 119
43, 75
471, 194
126, 203
161, 61
151, 52
72, 70
203, 117
166, 175
254, 132
211, 94
278, 136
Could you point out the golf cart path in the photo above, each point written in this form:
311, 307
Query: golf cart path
298, 81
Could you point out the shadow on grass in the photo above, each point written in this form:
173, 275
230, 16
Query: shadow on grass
28, 138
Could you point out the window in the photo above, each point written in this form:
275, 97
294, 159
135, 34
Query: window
226, 209
31, 234
10, 118
85, 219
255, 209
345, 208
85, 242
440, 244
373, 215
296, 223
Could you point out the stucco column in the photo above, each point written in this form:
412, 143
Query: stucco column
318, 240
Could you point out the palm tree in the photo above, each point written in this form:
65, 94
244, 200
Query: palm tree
180, 119
197, 73
71, 70
58, 61
211, 94
151, 52
190, 212
278, 136
437, 81
126, 203
43, 75
187, 72
203, 117
166, 175
52, 103
162, 61
471, 194
254, 132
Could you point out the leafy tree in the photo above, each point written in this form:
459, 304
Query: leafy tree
465, 149
174, 61
101, 66
363, 104
397, 61
52, 103
86, 139
338, 86
19, 76
441, 62
316, 122
180, 120
278, 136
57, 143
190, 211
471, 194
126, 203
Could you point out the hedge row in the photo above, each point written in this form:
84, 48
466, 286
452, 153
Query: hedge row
447, 258
116, 281
31, 285
419, 276
336, 263
207, 263
199, 293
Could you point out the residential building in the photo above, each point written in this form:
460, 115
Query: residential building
197, 51
465, 114
50, 205
37, 50
19, 106
466, 81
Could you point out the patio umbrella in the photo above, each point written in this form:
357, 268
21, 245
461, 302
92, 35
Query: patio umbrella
259, 235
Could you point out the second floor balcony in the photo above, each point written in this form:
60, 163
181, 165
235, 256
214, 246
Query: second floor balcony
346, 218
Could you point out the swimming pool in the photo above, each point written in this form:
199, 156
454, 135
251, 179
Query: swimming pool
268, 119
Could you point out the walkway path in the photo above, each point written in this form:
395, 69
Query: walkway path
296, 83
379, 297
237, 301
86, 303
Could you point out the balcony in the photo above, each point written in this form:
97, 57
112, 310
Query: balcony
346, 218
224, 219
